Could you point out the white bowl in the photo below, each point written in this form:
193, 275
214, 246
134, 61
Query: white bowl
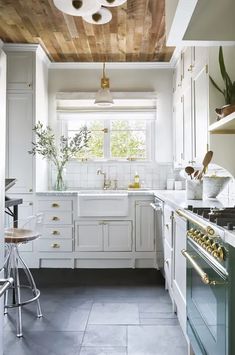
214, 185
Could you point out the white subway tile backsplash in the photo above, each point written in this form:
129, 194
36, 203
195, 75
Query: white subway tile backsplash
84, 175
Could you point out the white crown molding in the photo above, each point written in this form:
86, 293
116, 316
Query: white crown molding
22, 47
112, 65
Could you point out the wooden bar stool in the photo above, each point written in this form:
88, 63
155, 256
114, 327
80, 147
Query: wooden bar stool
28, 232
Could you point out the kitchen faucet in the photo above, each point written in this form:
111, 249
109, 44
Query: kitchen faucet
106, 183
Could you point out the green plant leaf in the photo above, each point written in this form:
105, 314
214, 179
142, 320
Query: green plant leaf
215, 85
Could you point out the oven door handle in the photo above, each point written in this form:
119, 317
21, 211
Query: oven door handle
185, 215
203, 275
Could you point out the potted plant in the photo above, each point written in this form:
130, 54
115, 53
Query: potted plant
228, 92
59, 154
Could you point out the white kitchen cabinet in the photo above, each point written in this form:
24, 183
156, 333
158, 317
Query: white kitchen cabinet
187, 118
27, 103
168, 247
20, 71
103, 236
89, 236
117, 236
144, 225
191, 105
178, 131
201, 113
19, 142
179, 269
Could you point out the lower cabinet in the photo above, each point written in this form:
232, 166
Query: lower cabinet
179, 269
144, 226
103, 236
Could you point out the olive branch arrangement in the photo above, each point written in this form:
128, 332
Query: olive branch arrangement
59, 154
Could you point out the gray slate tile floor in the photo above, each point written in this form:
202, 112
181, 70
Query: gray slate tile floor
129, 318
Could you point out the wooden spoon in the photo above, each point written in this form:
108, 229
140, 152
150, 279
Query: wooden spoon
189, 170
195, 174
205, 163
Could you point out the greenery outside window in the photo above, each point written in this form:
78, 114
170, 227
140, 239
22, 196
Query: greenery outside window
115, 138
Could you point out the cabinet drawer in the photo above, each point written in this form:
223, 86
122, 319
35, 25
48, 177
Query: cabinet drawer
57, 218
55, 245
60, 232
54, 205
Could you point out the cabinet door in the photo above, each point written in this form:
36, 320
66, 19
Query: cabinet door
188, 135
180, 230
19, 71
187, 66
20, 162
144, 225
200, 109
89, 236
179, 131
179, 270
117, 236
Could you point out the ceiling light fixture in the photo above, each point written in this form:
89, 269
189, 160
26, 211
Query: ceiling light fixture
111, 3
100, 17
92, 11
78, 7
103, 96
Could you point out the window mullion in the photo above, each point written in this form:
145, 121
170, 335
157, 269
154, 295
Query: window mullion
107, 140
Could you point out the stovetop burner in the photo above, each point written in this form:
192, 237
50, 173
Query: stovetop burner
223, 217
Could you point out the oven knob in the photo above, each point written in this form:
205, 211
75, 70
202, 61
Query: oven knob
220, 251
209, 249
190, 232
215, 246
205, 237
215, 254
204, 245
209, 242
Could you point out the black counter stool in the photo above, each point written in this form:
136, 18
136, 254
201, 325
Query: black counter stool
28, 232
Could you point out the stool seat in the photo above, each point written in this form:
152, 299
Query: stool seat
20, 235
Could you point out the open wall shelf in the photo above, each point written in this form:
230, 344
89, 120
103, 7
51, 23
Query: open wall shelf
225, 126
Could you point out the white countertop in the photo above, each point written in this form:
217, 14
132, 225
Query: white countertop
177, 199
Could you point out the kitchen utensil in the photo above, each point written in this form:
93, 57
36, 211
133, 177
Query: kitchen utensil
189, 170
195, 174
205, 163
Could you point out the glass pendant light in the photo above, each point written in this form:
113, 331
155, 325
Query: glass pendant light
103, 96
111, 3
78, 7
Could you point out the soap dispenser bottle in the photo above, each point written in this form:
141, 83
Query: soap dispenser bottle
136, 181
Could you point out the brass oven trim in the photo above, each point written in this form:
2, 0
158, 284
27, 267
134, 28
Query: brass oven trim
205, 227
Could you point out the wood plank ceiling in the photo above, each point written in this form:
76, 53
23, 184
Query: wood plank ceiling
136, 32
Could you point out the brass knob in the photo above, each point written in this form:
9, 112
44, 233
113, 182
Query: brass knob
215, 246
209, 249
215, 254
54, 205
55, 218
55, 233
220, 251
55, 246
190, 232
204, 245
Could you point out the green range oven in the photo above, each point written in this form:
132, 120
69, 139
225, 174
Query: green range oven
210, 281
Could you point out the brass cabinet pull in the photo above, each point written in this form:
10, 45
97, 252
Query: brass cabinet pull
55, 218
204, 276
55, 245
55, 233
54, 205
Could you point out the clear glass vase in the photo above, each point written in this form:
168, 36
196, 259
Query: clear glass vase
60, 184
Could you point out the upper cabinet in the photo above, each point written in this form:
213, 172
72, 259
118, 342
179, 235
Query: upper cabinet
26, 78
20, 71
191, 110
